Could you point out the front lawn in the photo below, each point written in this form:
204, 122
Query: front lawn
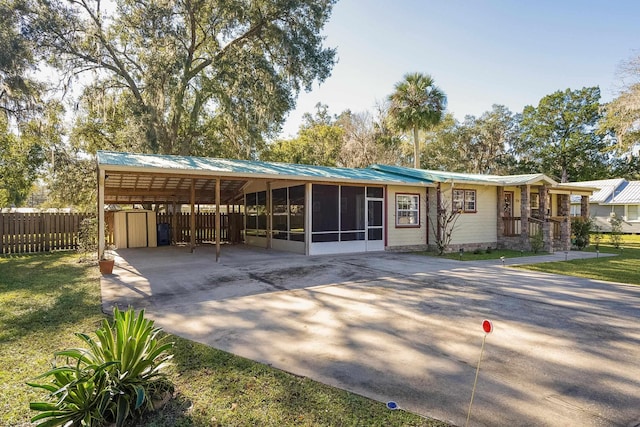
45, 299
625, 267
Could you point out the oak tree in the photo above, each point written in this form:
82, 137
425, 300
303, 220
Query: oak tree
185, 76
558, 138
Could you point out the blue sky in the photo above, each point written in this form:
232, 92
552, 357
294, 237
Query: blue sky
479, 52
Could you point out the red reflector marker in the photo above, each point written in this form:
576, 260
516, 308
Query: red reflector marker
487, 326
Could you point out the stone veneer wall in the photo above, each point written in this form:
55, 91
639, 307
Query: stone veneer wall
514, 243
468, 247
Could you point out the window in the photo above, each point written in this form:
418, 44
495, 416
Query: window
251, 212
632, 213
534, 204
280, 214
469, 200
576, 210
326, 213
256, 214
375, 192
407, 210
464, 200
351, 213
296, 213
262, 210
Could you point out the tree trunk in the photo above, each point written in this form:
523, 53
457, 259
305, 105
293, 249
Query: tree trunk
416, 148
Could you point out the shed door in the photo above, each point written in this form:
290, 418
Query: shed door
137, 230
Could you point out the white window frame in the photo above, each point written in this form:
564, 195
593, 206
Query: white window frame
413, 202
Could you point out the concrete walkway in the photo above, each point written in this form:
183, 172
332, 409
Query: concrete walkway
565, 351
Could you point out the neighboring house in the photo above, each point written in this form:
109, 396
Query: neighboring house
326, 210
617, 197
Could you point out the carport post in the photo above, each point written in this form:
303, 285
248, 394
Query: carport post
269, 217
193, 215
218, 220
101, 179
307, 218
174, 223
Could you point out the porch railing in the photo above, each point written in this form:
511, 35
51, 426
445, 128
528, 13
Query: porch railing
513, 226
556, 224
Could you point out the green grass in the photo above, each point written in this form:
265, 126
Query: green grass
45, 299
624, 268
483, 255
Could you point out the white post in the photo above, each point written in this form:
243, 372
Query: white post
307, 218
269, 216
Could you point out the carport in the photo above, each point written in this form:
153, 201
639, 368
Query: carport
127, 178
122, 183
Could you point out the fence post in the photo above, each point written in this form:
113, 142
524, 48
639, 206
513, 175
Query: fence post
2, 217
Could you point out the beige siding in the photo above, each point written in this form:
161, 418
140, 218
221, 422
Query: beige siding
403, 236
432, 198
478, 227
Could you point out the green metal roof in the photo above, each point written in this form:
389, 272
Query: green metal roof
247, 167
442, 176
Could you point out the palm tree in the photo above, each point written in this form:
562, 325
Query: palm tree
417, 103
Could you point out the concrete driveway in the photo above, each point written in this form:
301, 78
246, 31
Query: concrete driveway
564, 352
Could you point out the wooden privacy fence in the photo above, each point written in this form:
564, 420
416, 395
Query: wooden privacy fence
180, 226
39, 232
44, 232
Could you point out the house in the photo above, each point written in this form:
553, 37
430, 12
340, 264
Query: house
501, 211
617, 197
327, 210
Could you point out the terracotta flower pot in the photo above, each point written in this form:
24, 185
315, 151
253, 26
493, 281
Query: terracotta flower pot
106, 266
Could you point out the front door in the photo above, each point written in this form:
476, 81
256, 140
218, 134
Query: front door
508, 204
375, 225
509, 226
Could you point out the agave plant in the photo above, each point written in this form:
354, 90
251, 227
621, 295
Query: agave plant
117, 377
82, 397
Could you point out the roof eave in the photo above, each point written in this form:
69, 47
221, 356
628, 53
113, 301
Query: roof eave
254, 175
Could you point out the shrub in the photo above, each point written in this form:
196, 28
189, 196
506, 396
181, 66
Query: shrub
615, 237
444, 225
118, 377
537, 242
580, 230
489, 249
477, 251
88, 236
596, 234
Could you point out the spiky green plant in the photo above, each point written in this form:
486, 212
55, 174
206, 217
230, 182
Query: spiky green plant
117, 377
